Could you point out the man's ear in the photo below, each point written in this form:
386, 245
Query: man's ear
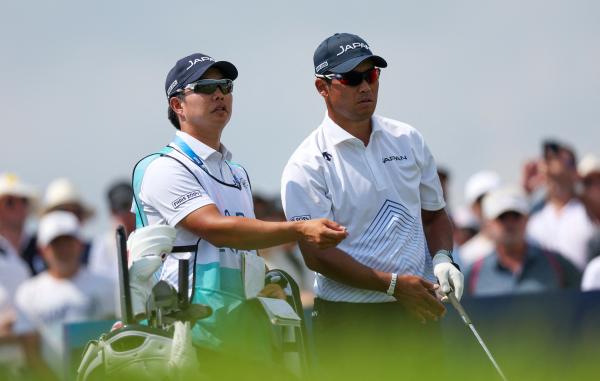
322, 87
175, 104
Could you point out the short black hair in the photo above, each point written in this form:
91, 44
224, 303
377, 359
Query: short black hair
120, 195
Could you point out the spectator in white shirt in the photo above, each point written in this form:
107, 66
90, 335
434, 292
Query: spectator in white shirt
563, 224
477, 186
63, 293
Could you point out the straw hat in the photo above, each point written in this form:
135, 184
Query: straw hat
11, 185
62, 194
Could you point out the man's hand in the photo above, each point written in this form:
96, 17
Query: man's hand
417, 296
322, 233
449, 277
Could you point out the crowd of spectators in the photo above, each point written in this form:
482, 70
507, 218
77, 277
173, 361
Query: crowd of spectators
540, 235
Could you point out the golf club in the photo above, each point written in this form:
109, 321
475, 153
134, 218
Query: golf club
463, 314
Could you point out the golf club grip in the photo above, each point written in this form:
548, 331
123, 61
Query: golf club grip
125, 292
459, 308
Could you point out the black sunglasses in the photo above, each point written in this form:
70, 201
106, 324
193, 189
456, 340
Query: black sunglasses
354, 78
209, 86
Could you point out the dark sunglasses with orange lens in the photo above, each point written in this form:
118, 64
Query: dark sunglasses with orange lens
354, 78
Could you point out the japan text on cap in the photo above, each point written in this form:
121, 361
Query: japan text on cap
342, 52
189, 69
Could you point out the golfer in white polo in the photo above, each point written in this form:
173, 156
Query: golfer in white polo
376, 177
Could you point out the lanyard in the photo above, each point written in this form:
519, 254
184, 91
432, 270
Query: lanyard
187, 151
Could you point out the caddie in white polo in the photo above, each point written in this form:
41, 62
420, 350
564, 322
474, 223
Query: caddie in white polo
377, 177
193, 186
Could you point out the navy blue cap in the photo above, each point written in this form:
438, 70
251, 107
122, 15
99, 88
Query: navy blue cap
342, 52
189, 69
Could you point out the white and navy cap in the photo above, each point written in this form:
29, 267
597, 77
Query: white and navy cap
191, 68
342, 52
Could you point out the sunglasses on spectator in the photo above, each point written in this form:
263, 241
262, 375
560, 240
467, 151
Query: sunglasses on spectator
209, 86
12, 201
354, 78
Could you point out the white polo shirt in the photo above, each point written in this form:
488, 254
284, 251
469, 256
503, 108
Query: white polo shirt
377, 192
566, 231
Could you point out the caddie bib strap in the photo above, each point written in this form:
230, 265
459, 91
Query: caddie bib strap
187, 151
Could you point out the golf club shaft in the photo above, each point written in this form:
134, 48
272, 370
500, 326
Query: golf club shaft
463, 314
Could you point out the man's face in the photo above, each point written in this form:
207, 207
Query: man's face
352, 103
211, 111
508, 228
13, 210
559, 167
591, 190
63, 254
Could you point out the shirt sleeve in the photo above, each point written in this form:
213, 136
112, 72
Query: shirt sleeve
170, 190
430, 189
591, 276
23, 324
304, 193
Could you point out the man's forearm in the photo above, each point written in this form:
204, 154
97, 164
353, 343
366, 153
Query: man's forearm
438, 230
338, 265
247, 233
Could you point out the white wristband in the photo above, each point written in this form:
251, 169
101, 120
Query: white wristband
392, 288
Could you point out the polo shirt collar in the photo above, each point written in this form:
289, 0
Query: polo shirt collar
531, 255
205, 152
337, 134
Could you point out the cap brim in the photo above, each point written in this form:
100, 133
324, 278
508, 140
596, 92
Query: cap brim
354, 62
226, 68
499, 212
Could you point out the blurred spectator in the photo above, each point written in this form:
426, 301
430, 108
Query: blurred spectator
64, 293
466, 225
477, 186
16, 199
591, 276
103, 253
285, 257
589, 171
15, 202
61, 194
516, 266
562, 225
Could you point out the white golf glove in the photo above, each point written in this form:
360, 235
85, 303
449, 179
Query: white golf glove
147, 248
449, 277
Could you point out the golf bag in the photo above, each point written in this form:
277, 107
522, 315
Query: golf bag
155, 351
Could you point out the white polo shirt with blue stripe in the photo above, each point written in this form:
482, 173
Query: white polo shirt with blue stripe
169, 185
376, 191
